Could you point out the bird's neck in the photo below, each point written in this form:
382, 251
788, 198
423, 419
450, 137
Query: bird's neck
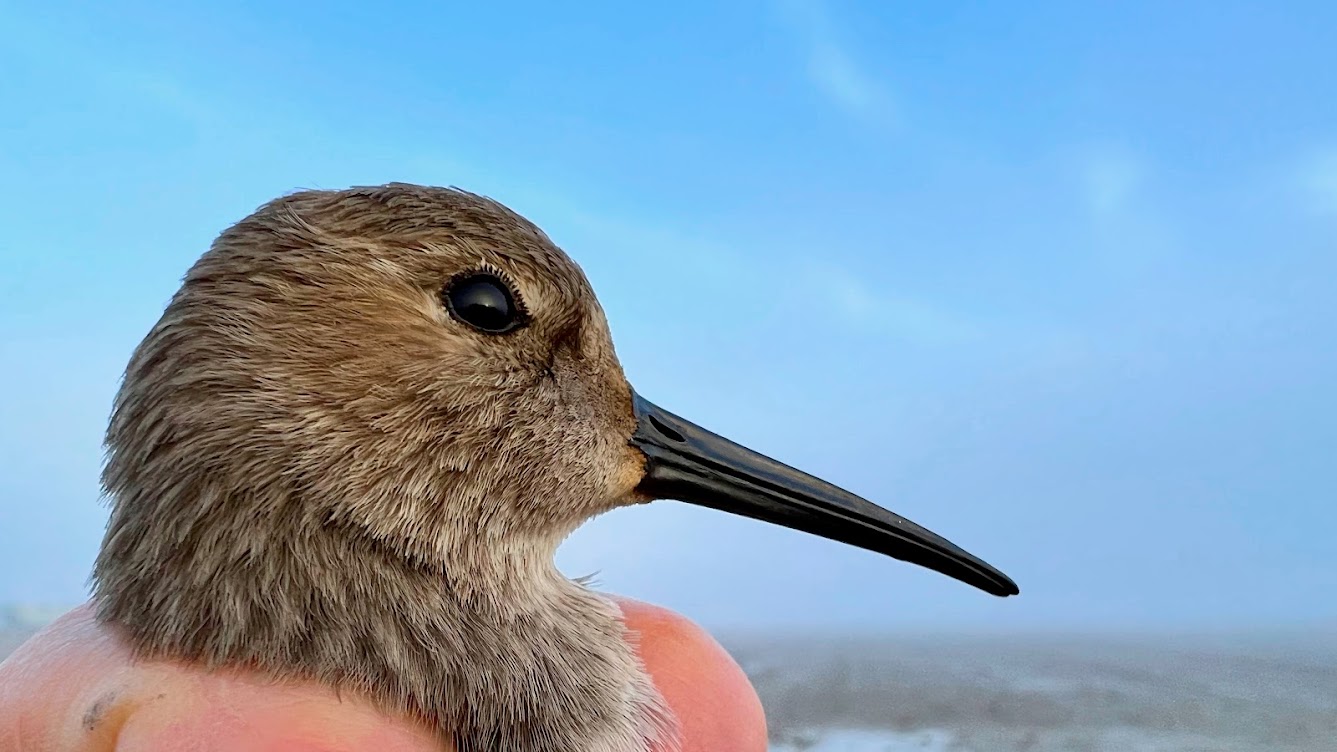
494, 635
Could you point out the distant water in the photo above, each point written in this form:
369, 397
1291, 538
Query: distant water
1060, 740
11, 639
1033, 694
864, 740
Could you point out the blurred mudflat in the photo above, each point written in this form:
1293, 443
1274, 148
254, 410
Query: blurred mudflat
859, 693
1260, 693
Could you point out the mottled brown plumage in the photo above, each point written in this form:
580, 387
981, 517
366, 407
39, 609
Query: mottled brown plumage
314, 470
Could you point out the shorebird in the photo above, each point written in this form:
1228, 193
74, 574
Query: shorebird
339, 467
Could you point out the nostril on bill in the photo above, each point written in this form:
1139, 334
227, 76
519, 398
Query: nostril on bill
664, 429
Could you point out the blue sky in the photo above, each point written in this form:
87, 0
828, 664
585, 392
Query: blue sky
1058, 282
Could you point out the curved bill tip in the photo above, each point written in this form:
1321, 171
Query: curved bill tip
686, 462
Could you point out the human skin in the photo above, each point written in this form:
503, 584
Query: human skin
74, 687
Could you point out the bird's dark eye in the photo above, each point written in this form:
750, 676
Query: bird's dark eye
484, 302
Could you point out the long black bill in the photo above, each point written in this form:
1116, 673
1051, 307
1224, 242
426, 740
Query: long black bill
686, 462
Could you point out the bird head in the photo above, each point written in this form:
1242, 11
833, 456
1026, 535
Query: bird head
424, 370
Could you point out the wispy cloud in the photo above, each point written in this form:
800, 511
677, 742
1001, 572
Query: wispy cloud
1318, 179
1134, 233
831, 65
1110, 179
50, 48
890, 311
851, 297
